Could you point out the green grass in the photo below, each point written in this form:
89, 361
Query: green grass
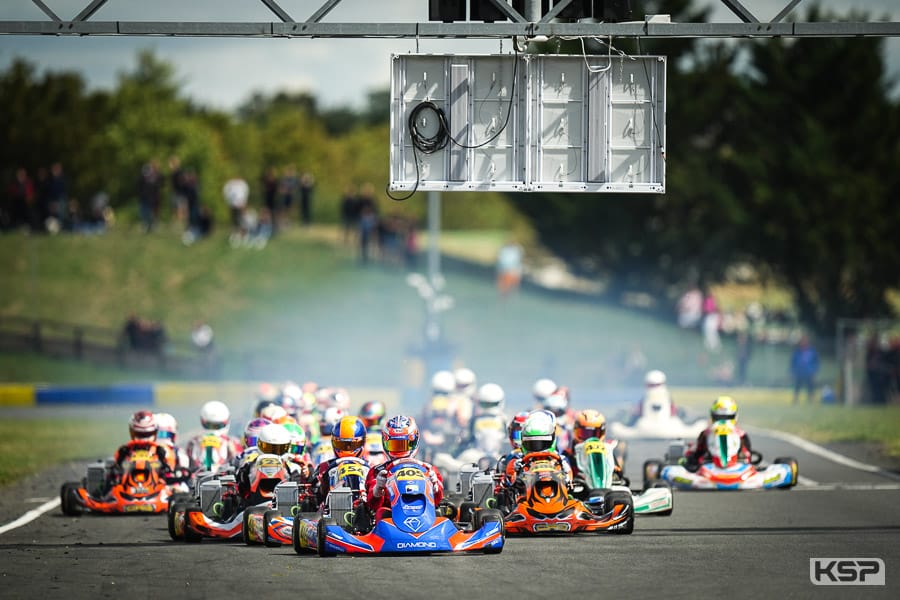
29, 446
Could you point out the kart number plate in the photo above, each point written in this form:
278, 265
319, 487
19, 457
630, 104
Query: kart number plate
139, 508
211, 441
348, 469
539, 527
594, 447
409, 474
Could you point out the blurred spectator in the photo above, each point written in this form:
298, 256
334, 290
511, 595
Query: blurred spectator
179, 194
202, 336
711, 340
100, 215
143, 334
368, 224
192, 197
509, 267
804, 366
878, 368
307, 183
149, 187
236, 192
270, 194
20, 206
288, 187
349, 212
690, 308
57, 193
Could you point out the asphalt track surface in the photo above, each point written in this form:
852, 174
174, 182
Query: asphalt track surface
753, 544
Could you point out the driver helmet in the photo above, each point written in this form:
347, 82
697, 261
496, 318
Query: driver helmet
267, 392
539, 432
514, 430
214, 417
274, 439
490, 399
142, 426
298, 438
290, 397
558, 401
371, 413
340, 398
167, 428
251, 431
654, 378
465, 381
543, 388
332, 416
400, 437
443, 382
724, 408
274, 413
348, 438
589, 424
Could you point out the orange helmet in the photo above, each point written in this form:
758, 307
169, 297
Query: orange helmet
589, 424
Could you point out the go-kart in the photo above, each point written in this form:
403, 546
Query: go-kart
217, 509
138, 488
484, 448
723, 468
597, 476
539, 502
412, 525
209, 452
657, 421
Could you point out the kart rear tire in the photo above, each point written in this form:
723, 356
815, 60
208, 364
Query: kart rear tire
321, 532
614, 498
651, 471
490, 515
68, 499
267, 516
795, 469
191, 536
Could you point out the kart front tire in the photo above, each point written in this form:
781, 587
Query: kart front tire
321, 532
191, 536
69, 502
295, 535
467, 512
614, 498
267, 517
490, 515
245, 525
795, 469
174, 508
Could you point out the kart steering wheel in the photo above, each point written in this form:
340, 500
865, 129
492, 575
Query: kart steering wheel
755, 457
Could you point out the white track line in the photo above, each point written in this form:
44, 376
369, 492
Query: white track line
806, 481
824, 452
30, 516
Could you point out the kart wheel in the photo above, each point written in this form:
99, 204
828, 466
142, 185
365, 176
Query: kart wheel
174, 508
795, 469
267, 516
191, 536
652, 471
615, 498
68, 498
467, 512
295, 535
490, 515
245, 524
321, 532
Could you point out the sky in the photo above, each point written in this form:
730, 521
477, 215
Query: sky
224, 72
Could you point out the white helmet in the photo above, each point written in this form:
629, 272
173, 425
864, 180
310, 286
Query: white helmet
214, 416
291, 390
168, 428
274, 413
543, 388
273, 439
490, 398
654, 378
443, 382
465, 380
330, 418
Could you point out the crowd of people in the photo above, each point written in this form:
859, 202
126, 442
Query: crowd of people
41, 203
392, 238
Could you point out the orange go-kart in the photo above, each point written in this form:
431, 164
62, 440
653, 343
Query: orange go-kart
541, 502
140, 488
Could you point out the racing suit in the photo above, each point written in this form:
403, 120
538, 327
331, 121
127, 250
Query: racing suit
125, 450
322, 476
699, 454
377, 498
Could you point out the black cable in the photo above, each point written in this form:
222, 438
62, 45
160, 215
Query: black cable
440, 138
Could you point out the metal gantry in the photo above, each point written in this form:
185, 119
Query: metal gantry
651, 26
